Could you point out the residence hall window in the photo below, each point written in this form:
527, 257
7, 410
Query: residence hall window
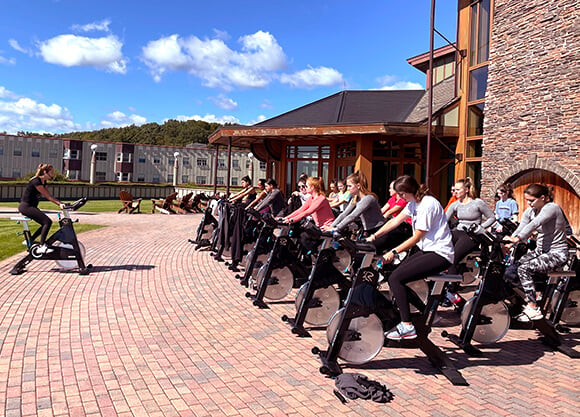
236, 164
1, 150
53, 152
309, 159
123, 176
71, 154
202, 163
200, 180
124, 157
220, 181
262, 166
141, 160
100, 156
100, 176
17, 151
479, 40
156, 160
221, 164
185, 179
35, 153
141, 178
185, 162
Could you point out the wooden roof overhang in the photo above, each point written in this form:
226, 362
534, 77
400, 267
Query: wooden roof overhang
265, 141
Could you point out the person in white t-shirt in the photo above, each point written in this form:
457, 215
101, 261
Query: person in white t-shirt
434, 248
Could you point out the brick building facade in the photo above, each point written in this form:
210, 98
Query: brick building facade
532, 110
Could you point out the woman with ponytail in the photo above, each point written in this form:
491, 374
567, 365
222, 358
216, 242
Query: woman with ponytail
29, 204
431, 240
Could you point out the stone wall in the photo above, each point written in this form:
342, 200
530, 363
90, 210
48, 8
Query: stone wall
532, 113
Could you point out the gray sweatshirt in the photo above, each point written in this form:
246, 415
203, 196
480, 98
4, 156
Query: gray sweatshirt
550, 224
471, 213
367, 208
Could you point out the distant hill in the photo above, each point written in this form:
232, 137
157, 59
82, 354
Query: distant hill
170, 133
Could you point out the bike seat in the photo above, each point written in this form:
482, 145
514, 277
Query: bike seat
445, 277
20, 218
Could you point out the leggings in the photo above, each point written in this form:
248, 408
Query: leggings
415, 267
463, 246
39, 217
533, 263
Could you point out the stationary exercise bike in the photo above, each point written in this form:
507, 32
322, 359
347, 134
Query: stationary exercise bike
486, 317
356, 334
317, 300
67, 251
205, 229
284, 269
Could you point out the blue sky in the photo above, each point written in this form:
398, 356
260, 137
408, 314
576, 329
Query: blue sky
69, 65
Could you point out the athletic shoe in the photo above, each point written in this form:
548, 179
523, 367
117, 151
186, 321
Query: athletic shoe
42, 249
529, 314
401, 331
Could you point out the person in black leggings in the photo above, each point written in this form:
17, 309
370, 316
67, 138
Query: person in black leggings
29, 204
433, 247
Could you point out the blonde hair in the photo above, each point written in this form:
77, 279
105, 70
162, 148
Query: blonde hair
468, 183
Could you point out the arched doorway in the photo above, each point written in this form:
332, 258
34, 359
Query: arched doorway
564, 194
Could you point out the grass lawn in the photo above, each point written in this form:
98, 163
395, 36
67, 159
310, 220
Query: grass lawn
12, 243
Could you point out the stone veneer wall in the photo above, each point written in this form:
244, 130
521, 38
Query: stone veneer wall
532, 109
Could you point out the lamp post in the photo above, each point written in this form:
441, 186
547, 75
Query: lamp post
251, 158
94, 147
175, 168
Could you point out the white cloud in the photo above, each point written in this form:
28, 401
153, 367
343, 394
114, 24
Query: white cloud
25, 114
224, 102
210, 118
259, 119
15, 45
120, 119
313, 77
7, 61
392, 82
214, 62
71, 50
102, 26
266, 104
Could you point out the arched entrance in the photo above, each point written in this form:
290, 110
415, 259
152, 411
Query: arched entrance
564, 194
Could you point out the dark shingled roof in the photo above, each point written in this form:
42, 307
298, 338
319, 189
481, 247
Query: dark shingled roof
351, 107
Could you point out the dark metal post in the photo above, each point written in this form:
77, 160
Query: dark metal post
229, 167
430, 109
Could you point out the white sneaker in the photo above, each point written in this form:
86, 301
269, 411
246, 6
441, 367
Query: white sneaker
24, 243
530, 314
42, 249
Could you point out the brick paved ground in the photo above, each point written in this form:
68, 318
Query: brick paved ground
158, 329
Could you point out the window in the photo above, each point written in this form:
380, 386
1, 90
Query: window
235, 164
155, 179
156, 160
262, 166
124, 157
142, 159
100, 156
73, 174
479, 40
202, 162
100, 176
123, 176
200, 179
1, 150
308, 159
16, 173
170, 161
140, 178
53, 152
185, 161
169, 177
184, 179
248, 163
18, 151
475, 120
71, 154
220, 181
235, 181
221, 164
35, 153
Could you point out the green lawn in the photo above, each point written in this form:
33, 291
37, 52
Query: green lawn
12, 243
92, 206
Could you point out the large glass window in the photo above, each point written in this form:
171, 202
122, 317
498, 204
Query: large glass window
479, 42
475, 120
477, 83
306, 159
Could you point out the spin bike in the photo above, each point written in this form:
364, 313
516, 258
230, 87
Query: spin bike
317, 300
284, 269
257, 255
205, 229
67, 251
356, 334
486, 317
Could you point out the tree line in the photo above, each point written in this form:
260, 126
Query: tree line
170, 133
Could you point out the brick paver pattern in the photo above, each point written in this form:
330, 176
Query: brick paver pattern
159, 329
